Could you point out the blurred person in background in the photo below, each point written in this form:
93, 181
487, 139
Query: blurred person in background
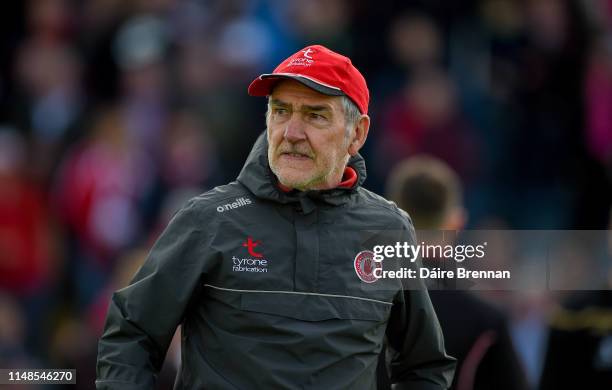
189, 159
548, 138
475, 332
426, 118
49, 103
414, 47
26, 247
597, 185
598, 94
98, 192
29, 252
140, 49
579, 351
415, 44
257, 321
324, 21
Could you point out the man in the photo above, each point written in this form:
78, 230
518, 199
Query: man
476, 333
267, 275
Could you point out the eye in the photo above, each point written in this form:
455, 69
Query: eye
315, 116
279, 111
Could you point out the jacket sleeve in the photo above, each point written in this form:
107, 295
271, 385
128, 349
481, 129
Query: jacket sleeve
416, 357
143, 317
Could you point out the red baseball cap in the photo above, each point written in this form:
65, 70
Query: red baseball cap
321, 69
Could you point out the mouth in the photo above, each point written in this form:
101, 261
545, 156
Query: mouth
295, 156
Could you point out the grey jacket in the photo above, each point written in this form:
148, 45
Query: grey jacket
264, 284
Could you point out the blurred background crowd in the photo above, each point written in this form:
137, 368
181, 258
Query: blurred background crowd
113, 113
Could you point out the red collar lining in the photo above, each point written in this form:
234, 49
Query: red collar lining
349, 178
284, 188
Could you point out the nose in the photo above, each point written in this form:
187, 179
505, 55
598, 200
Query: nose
294, 130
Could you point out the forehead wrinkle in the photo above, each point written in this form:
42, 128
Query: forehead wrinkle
317, 107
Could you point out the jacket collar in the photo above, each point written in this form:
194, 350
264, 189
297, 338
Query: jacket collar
259, 179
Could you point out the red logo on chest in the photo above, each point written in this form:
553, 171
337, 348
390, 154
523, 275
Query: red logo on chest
250, 245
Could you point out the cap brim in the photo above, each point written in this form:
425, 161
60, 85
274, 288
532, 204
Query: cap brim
263, 85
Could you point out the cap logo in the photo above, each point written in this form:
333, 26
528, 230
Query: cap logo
306, 52
306, 60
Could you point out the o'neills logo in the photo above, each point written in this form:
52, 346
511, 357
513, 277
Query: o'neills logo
365, 266
239, 202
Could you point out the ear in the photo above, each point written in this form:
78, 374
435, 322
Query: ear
361, 133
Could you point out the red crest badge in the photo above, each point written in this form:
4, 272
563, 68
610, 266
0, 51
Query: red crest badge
365, 266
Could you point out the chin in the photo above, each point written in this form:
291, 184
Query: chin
293, 178
292, 181
298, 177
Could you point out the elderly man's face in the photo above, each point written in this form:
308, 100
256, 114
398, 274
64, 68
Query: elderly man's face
308, 144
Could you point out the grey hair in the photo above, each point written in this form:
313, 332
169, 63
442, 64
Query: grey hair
351, 114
